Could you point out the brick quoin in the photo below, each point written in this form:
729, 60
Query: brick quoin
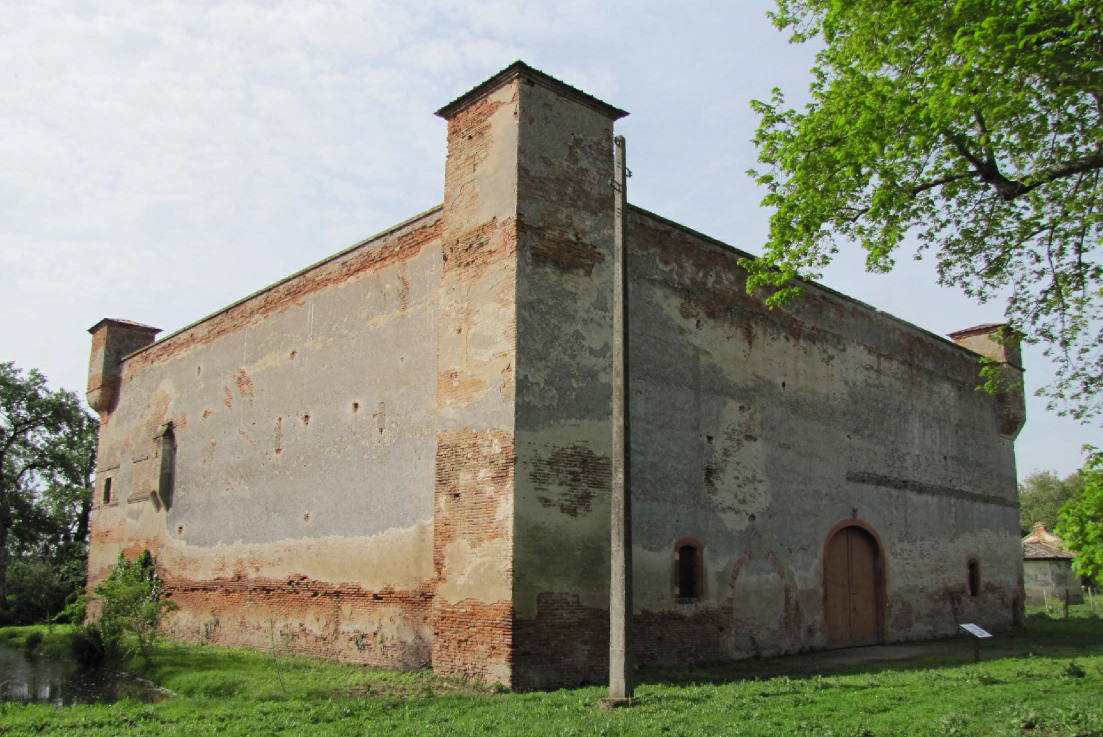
472, 638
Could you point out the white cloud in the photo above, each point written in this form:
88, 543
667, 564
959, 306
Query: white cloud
162, 159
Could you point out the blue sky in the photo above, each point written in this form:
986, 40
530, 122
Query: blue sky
163, 159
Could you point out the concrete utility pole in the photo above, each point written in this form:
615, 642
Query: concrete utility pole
621, 676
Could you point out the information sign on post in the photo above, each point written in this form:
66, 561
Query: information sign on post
975, 631
978, 634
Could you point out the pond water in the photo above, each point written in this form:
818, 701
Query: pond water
40, 679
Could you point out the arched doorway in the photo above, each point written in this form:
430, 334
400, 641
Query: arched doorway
852, 576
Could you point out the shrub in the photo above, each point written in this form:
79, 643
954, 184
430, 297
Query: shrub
87, 646
133, 602
75, 608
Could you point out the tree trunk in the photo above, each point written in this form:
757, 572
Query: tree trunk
5, 524
82, 522
89, 479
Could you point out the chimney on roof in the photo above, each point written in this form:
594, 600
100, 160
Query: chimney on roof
111, 341
999, 342
1040, 527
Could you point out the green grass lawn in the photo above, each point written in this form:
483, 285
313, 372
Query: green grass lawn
1044, 680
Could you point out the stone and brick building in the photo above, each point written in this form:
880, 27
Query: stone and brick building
1047, 569
400, 455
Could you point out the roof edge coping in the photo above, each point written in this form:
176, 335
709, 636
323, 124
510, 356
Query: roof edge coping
988, 327
128, 324
521, 69
940, 339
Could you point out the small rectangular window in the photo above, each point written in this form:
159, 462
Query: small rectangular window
107, 490
167, 482
974, 578
688, 575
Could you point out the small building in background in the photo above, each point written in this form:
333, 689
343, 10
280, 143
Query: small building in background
1047, 569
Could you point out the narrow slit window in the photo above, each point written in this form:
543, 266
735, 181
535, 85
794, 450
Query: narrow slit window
689, 574
107, 490
974, 578
167, 480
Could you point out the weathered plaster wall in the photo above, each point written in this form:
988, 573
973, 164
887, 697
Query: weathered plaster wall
753, 432
1050, 579
306, 432
757, 432
564, 390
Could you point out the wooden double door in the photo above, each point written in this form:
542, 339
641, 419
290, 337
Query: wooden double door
851, 583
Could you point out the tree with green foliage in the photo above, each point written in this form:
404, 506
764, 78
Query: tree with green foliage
133, 602
1041, 496
1081, 521
977, 127
47, 465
